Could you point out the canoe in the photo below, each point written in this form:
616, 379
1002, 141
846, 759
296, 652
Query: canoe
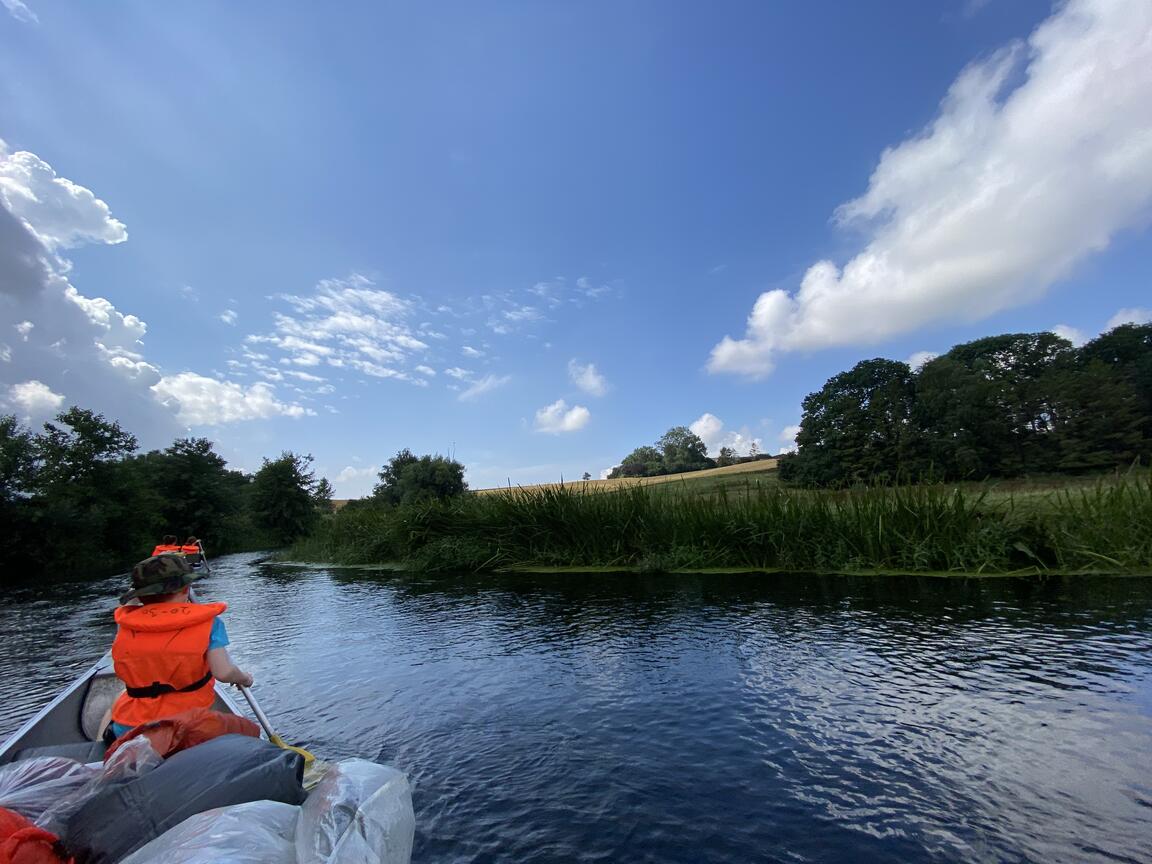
69, 725
361, 812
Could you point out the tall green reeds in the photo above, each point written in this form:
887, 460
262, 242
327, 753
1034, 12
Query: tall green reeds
929, 528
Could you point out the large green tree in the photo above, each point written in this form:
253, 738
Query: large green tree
408, 479
644, 461
986, 407
857, 427
199, 494
683, 450
281, 498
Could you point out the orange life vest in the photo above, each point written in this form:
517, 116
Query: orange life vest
161, 654
190, 550
163, 547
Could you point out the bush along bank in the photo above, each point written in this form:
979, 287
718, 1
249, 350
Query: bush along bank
916, 529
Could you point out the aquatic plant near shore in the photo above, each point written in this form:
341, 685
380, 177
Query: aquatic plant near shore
925, 528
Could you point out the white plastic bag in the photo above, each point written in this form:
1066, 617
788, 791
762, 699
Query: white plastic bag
32, 786
360, 813
134, 759
260, 832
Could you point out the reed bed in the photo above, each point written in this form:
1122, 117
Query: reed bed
1106, 527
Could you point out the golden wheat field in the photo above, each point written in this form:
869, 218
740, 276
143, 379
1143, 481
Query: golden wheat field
759, 466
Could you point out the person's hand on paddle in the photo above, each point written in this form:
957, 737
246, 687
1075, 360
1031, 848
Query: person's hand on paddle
225, 671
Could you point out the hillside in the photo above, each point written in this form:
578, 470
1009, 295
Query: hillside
744, 470
720, 476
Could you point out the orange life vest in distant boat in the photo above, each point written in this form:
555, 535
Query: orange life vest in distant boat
163, 547
190, 550
161, 654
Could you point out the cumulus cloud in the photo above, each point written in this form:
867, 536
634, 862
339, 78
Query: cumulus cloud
81, 348
787, 439
711, 430
20, 11
920, 358
228, 316
1076, 337
1129, 316
458, 373
203, 401
59, 213
999, 197
33, 401
587, 378
469, 351
558, 418
485, 385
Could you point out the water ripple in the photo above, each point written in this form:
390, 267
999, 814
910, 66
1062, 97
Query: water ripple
718, 719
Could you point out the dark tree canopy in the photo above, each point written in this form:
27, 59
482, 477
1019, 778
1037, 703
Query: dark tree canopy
408, 479
683, 450
996, 407
679, 449
282, 498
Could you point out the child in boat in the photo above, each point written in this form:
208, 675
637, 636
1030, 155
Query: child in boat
168, 649
167, 544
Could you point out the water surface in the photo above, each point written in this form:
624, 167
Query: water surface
691, 719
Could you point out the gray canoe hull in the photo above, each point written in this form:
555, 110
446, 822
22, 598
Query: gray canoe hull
75, 716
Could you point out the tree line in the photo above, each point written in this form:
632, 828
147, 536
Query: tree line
1002, 406
677, 451
79, 499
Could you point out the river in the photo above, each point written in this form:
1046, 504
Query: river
686, 718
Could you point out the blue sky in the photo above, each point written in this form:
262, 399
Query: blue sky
349, 229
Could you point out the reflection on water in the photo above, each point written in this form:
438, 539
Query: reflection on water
695, 719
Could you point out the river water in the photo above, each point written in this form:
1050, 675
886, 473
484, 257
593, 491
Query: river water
690, 719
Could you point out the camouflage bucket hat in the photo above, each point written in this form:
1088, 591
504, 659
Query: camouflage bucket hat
160, 574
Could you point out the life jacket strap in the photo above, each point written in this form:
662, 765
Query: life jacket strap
157, 688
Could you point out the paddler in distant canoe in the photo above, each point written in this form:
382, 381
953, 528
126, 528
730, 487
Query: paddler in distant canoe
193, 552
168, 544
168, 650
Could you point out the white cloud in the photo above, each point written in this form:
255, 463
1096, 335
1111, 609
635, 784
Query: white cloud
710, 428
587, 378
5, 353
81, 347
20, 11
34, 400
458, 373
469, 351
1129, 316
228, 316
1003, 194
355, 482
920, 358
485, 385
426, 370
558, 418
59, 212
551, 292
788, 439
203, 401
589, 289
348, 324
520, 313
1076, 337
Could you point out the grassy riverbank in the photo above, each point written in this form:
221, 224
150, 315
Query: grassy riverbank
1103, 527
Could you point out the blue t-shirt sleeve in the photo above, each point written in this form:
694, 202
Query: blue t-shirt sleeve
219, 636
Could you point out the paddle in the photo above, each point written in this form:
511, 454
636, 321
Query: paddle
272, 736
204, 558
